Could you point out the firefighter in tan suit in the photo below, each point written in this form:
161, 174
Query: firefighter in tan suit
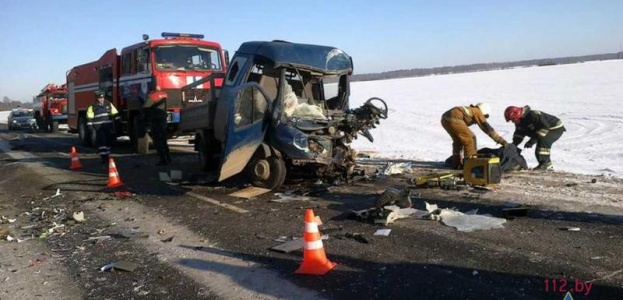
456, 122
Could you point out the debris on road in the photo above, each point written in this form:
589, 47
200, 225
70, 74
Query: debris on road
173, 175
468, 223
396, 168
465, 222
120, 265
78, 217
569, 228
168, 240
164, 177
58, 193
441, 179
249, 192
389, 214
176, 175
289, 246
122, 194
3, 219
383, 232
359, 237
288, 196
394, 196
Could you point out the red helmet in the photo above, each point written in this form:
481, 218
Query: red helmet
513, 113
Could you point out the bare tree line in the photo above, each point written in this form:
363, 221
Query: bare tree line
8, 104
484, 67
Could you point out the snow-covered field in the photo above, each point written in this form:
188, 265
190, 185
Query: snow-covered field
587, 97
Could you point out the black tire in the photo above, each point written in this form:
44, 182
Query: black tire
267, 172
85, 135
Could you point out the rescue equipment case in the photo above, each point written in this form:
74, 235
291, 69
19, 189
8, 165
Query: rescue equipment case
482, 170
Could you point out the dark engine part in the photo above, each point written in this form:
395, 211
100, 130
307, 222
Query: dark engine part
329, 140
360, 120
356, 121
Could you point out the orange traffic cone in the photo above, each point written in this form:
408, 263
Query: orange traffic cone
315, 261
75, 161
114, 180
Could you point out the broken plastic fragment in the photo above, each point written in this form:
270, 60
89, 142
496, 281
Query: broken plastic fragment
120, 265
78, 216
468, 223
58, 193
383, 232
431, 207
397, 168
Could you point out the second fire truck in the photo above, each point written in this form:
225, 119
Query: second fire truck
50, 107
129, 77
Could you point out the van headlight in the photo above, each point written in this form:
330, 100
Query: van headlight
300, 141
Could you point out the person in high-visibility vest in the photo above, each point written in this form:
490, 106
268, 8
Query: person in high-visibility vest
100, 117
456, 122
542, 128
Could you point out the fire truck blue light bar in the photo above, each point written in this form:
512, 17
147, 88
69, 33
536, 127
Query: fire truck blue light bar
190, 35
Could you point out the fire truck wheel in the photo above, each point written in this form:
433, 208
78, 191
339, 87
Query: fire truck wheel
267, 172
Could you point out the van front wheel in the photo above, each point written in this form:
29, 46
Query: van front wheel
267, 172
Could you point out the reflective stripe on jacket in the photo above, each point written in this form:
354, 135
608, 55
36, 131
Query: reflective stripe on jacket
535, 124
99, 115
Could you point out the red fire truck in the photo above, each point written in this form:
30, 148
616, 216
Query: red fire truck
129, 77
50, 107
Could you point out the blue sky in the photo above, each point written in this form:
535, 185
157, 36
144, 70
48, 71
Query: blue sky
41, 40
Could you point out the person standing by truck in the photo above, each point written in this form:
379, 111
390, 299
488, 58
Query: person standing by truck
156, 114
100, 117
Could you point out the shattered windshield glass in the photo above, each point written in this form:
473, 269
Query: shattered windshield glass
187, 57
302, 96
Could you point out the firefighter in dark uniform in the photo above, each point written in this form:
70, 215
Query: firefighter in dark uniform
456, 122
542, 128
100, 117
156, 114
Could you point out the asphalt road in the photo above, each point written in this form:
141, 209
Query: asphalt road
221, 244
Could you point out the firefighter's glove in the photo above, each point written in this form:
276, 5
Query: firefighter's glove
530, 143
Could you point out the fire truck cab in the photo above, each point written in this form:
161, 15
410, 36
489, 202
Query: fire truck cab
129, 77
